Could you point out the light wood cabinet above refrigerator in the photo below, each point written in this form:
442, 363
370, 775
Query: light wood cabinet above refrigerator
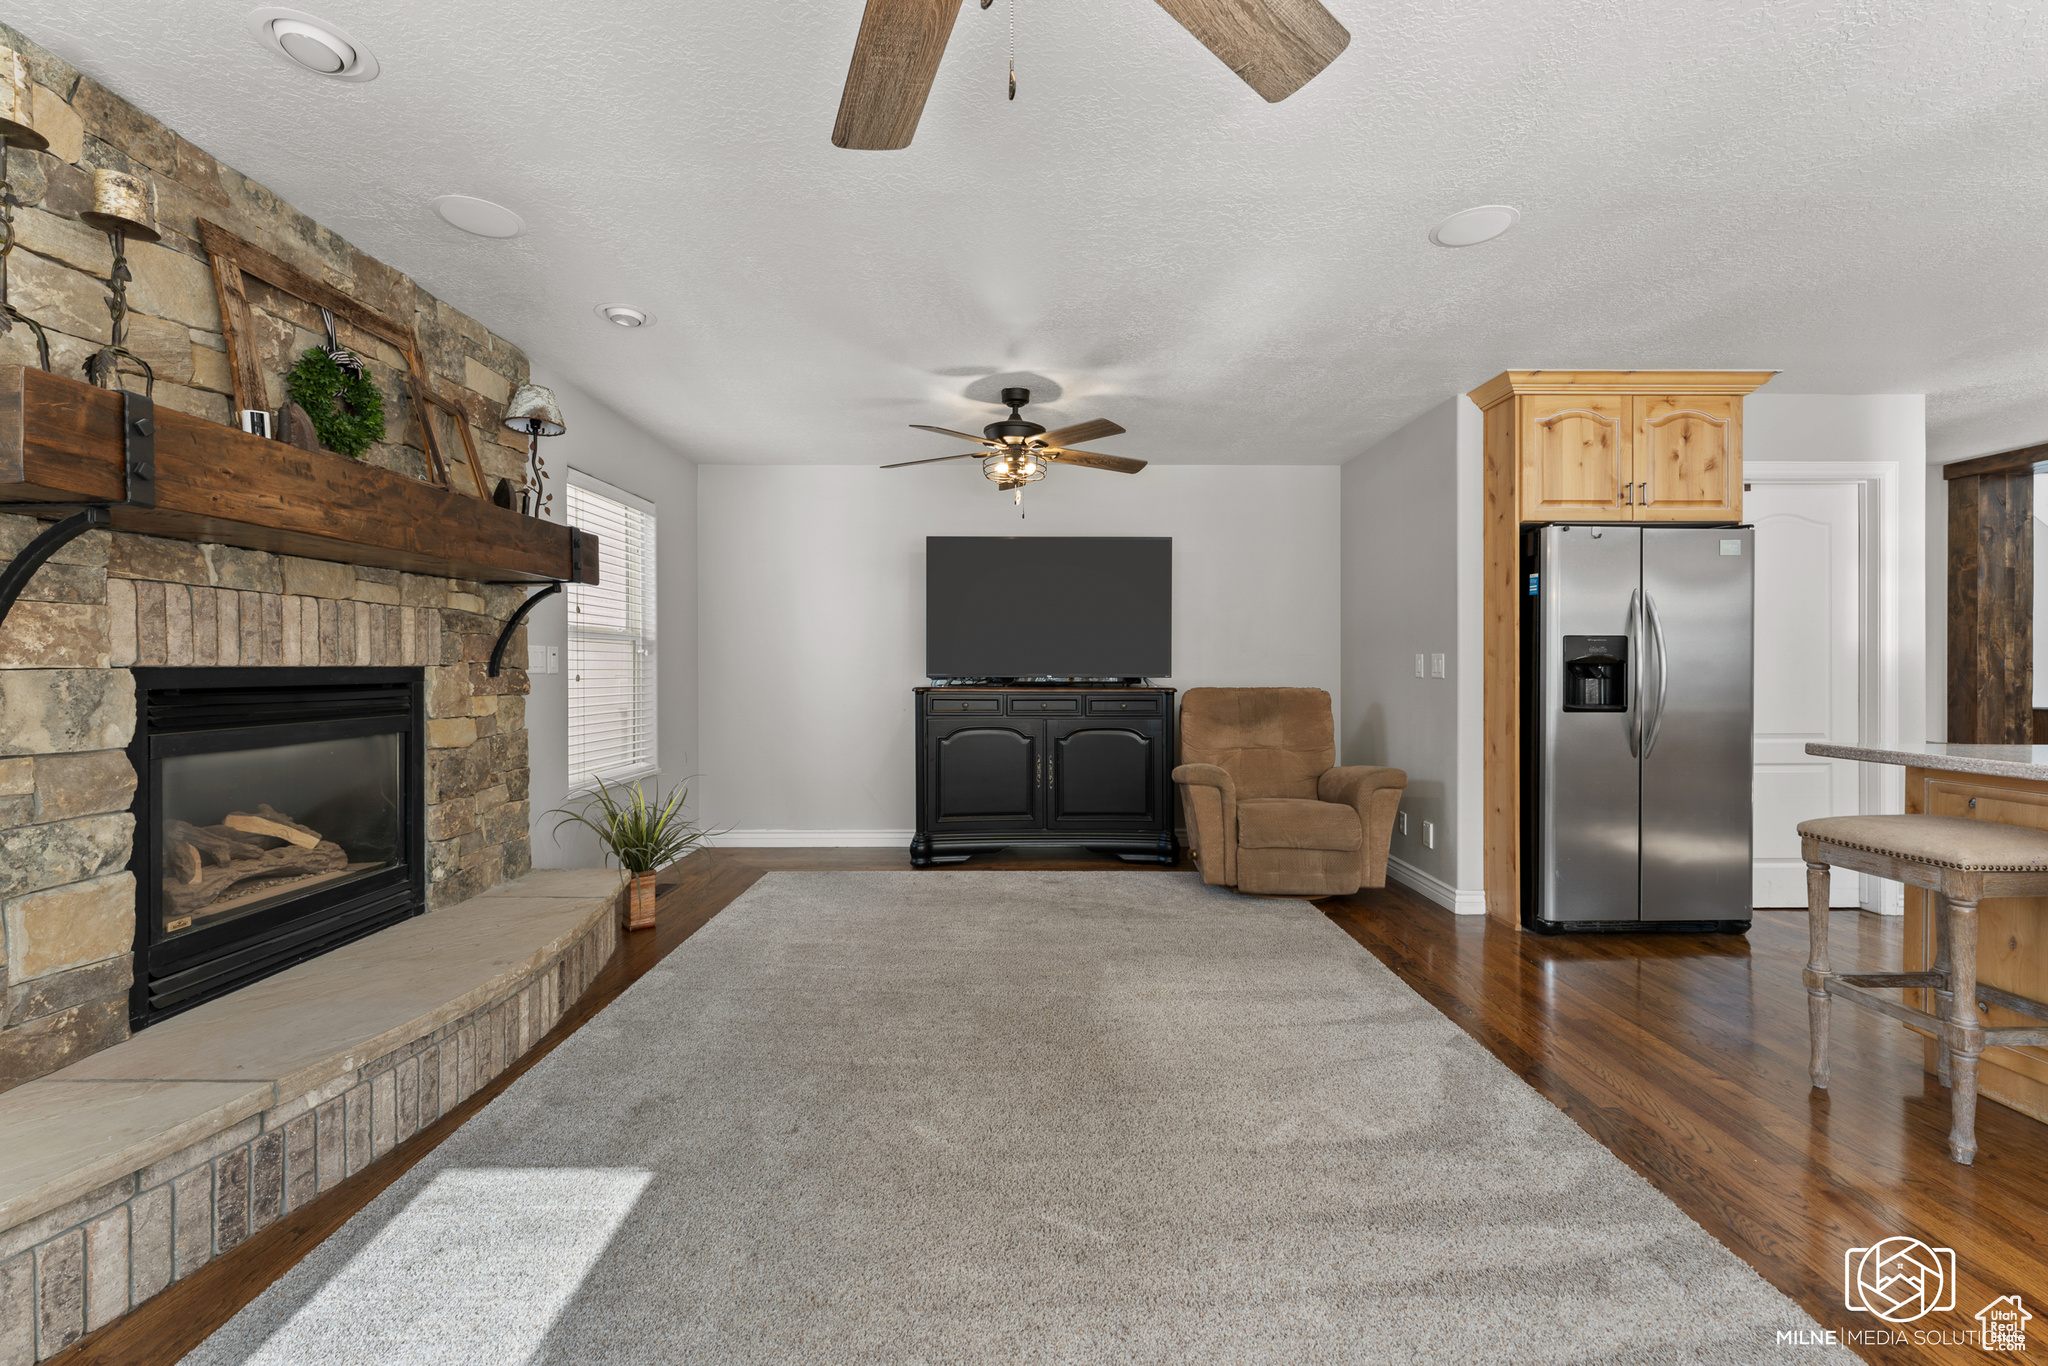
1619, 445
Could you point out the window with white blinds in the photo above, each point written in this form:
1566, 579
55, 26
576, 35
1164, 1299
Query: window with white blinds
611, 638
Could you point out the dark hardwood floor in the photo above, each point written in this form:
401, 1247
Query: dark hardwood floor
1685, 1055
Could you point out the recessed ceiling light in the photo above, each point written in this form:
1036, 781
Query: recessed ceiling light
622, 316
1473, 226
479, 216
312, 44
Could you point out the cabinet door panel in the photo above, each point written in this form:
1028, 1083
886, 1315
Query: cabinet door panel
1688, 457
1575, 457
983, 773
1104, 774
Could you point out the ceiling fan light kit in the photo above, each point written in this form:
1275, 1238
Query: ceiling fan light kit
1275, 46
1017, 451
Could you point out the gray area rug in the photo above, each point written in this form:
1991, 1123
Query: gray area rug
1017, 1117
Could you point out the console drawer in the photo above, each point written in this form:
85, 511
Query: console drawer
1123, 706
964, 706
1045, 706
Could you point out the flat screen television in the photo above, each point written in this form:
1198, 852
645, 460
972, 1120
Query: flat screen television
1023, 607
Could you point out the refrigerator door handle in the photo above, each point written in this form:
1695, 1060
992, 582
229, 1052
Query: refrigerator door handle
1656, 721
1635, 699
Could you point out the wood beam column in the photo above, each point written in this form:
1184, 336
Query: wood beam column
1991, 607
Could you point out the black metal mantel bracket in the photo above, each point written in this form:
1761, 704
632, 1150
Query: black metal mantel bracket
138, 433
513, 623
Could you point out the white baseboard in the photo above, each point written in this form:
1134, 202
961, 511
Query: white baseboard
1435, 888
813, 839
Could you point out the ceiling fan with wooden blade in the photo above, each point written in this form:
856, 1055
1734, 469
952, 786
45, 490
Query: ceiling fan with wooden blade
1017, 451
937, 459
1275, 46
1120, 463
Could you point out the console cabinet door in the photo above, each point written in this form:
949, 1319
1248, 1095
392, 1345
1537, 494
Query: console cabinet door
984, 774
1105, 774
1688, 457
1575, 458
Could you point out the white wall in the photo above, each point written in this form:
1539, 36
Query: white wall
1880, 439
813, 613
1880, 429
1412, 566
601, 443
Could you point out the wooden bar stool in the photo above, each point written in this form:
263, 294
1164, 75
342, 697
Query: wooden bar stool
1960, 862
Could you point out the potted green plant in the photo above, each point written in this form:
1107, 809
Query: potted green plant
644, 834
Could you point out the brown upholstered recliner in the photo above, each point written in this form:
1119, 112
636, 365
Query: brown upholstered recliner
1267, 810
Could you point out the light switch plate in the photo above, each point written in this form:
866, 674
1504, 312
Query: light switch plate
1403, 818
1436, 666
1419, 667
1429, 834
551, 659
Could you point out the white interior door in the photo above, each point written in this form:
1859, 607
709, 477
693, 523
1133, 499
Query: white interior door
1809, 643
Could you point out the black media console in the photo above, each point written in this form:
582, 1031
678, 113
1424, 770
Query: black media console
1036, 766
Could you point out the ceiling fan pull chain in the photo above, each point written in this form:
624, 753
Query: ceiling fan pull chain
1013, 72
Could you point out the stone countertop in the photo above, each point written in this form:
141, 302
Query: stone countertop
1992, 761
281, 1038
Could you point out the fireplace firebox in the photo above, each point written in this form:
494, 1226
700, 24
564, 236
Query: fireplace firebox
280, 813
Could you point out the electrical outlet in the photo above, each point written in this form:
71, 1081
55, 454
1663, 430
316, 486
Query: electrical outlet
1403, 818
1419, 667
551, 659
1436, 666
1429, 834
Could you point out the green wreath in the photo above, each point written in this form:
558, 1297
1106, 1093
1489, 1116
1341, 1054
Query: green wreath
347, 410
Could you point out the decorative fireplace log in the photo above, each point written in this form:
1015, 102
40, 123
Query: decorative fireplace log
182, 859
245, 844
285, 861
218, 849
268, 820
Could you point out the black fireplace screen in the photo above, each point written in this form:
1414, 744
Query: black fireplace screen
280, 814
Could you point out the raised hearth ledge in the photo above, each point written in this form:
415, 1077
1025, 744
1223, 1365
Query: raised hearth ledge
1991, 761
307, 1036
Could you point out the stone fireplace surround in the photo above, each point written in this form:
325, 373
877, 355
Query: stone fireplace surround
67, 712
108, 602
126, 1164
101, 1208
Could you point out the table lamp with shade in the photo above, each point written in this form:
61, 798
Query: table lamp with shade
533, 410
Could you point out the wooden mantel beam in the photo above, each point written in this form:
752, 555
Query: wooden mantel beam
60, 441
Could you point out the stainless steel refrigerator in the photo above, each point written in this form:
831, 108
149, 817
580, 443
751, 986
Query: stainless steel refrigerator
1636, 727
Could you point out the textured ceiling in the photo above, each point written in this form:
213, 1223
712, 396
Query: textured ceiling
1850, 192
